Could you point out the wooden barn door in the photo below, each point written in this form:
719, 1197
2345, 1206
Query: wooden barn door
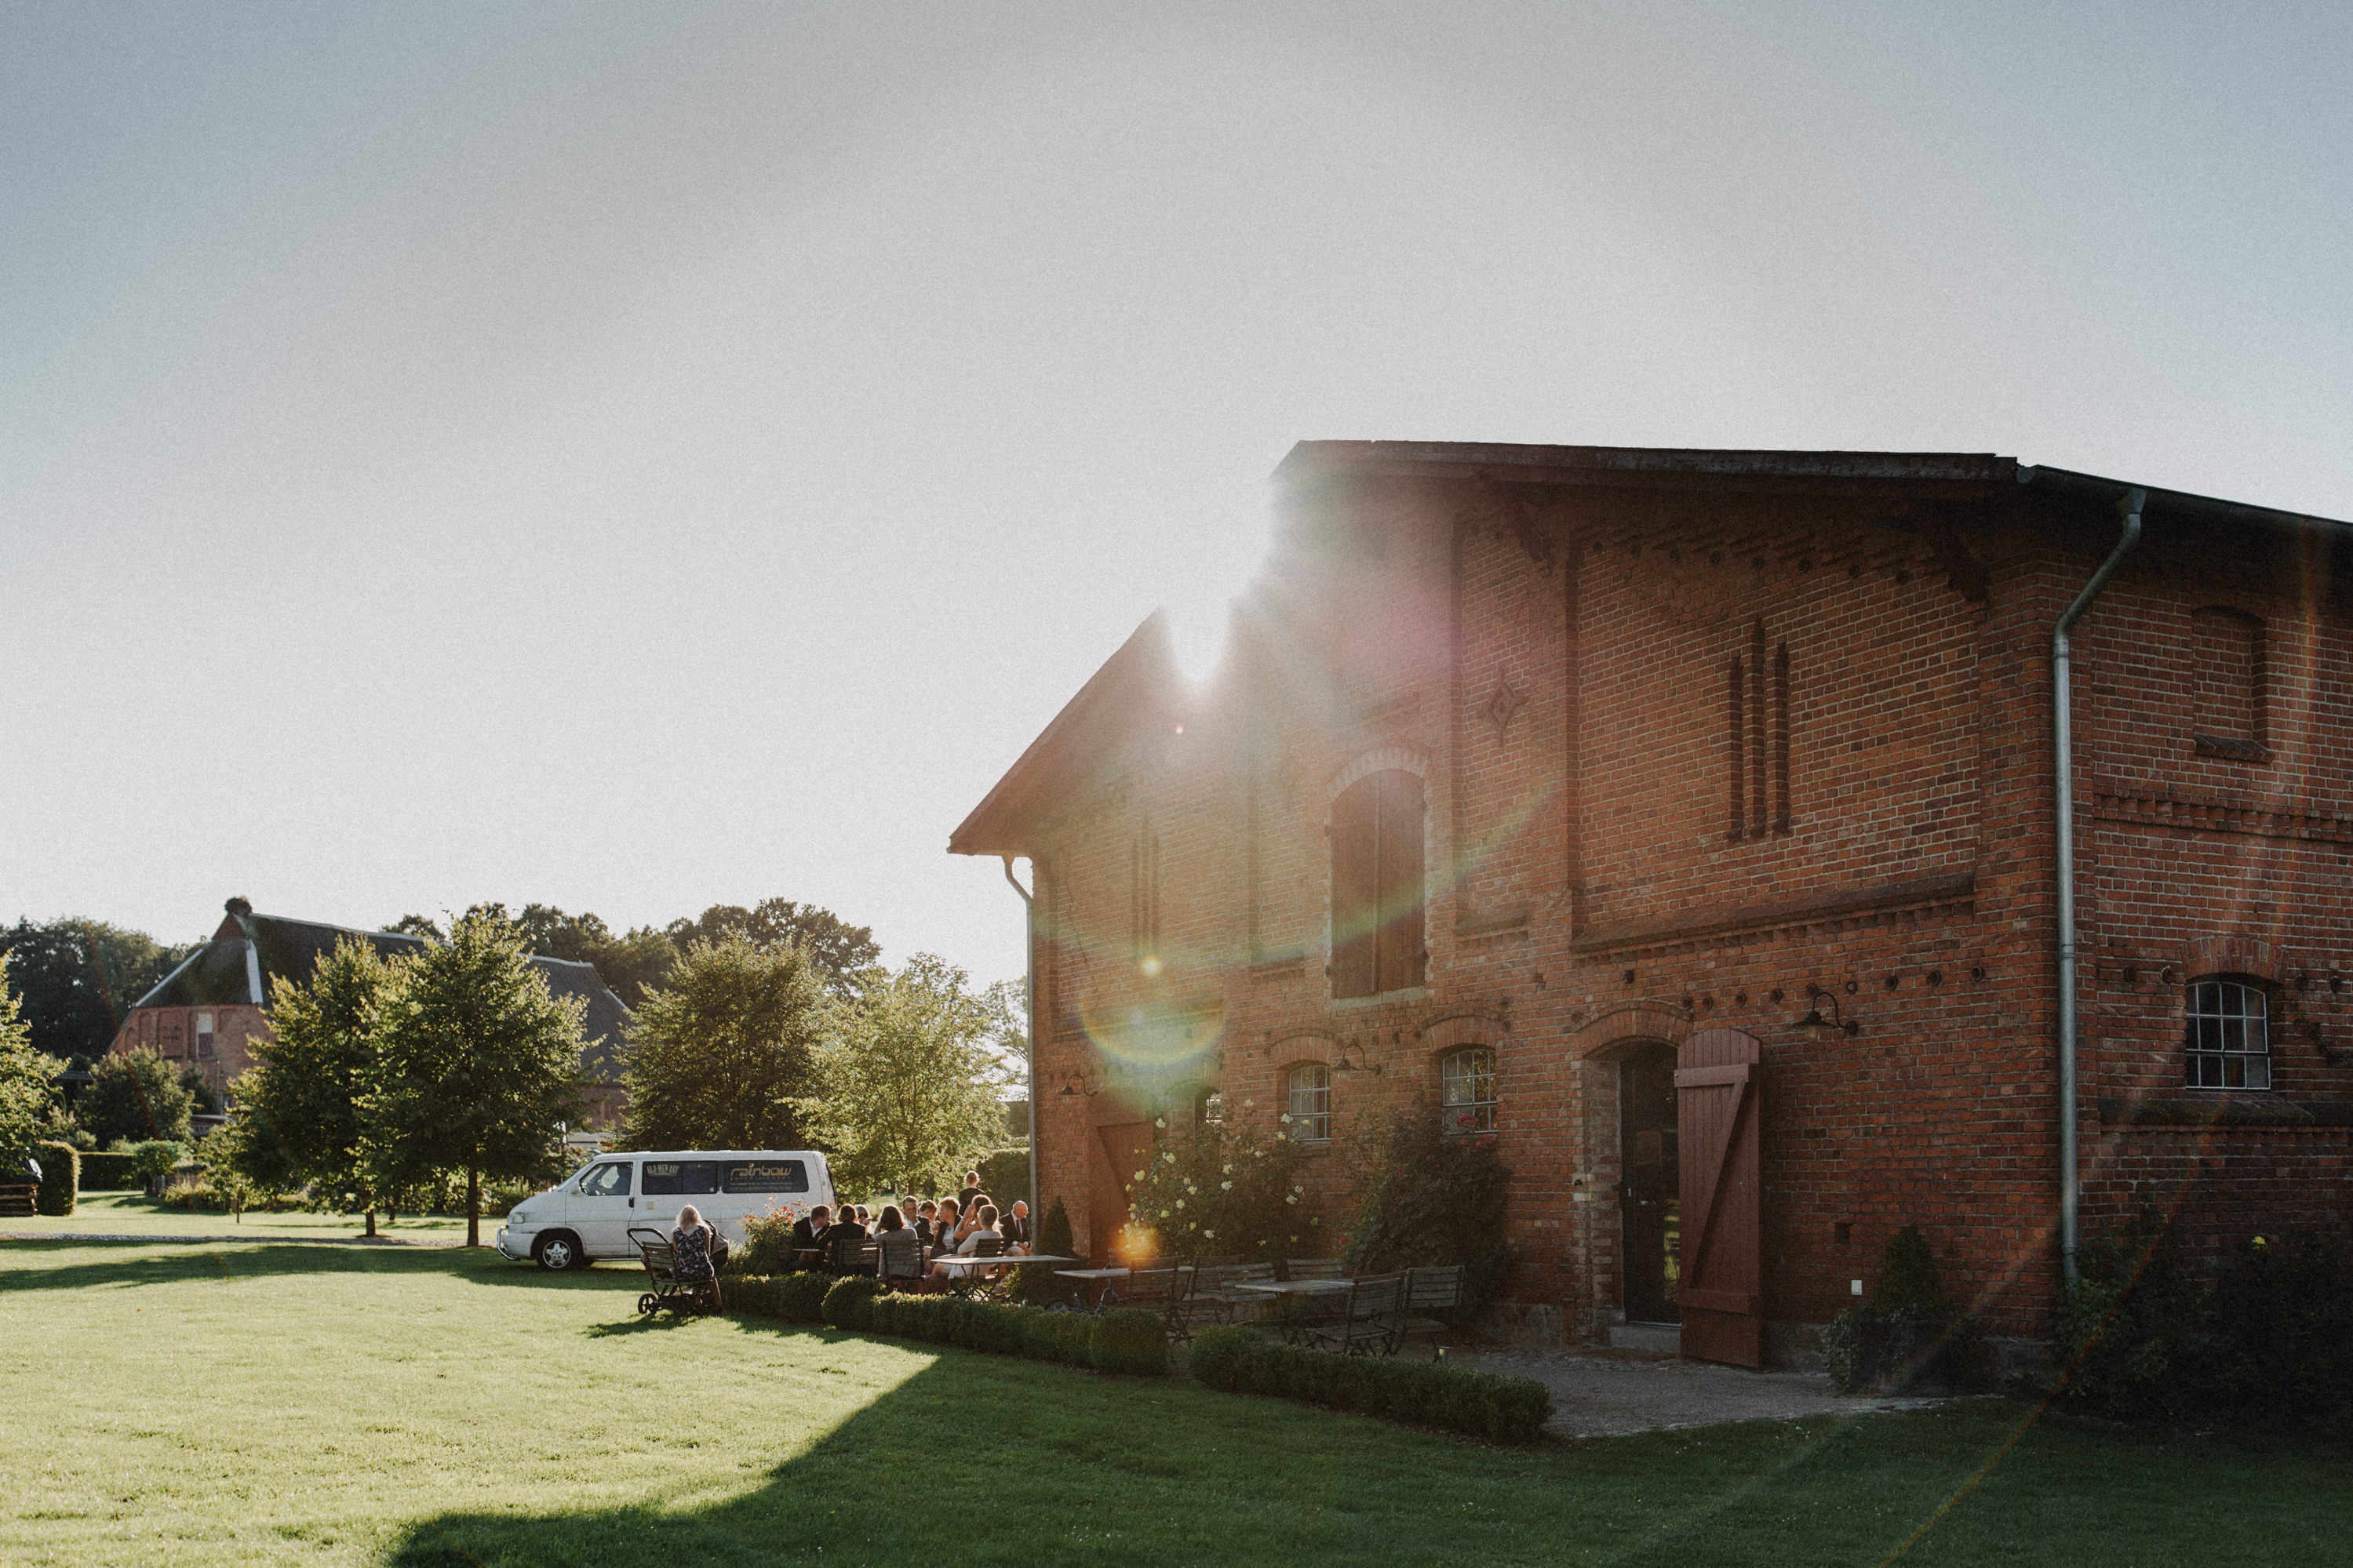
1718, 1076
1121, 1150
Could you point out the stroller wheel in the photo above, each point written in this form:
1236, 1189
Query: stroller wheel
647, 1302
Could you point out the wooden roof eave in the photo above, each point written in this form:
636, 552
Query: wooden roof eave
1089, 724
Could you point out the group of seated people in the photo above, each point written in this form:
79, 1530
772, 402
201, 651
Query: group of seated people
959, 1226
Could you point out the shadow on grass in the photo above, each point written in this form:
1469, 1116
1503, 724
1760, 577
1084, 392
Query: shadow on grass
981, 1459
25, 1266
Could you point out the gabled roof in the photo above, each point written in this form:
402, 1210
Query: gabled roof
250, 952
1131, 683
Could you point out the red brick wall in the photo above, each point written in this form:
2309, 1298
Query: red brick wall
1566, 702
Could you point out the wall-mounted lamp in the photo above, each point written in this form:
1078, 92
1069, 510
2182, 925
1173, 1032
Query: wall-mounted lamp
1075, 1084
1815, 1023
1344, 1065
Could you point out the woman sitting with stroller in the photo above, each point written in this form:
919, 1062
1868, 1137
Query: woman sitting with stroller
699, 1252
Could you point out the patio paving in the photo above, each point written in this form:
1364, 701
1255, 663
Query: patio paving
1605, 1392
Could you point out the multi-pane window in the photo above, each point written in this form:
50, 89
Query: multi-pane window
2229, 1035
204, 1034
1466, 1080
1209, 1109
1377, 843
1310, 1101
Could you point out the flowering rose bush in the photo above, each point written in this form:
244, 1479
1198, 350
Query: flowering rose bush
1226, 1192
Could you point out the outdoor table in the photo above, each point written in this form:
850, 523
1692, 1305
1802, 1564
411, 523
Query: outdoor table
1099, 1278
1303, 1289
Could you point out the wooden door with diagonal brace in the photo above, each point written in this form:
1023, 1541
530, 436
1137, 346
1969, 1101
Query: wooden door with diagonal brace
1719, 1078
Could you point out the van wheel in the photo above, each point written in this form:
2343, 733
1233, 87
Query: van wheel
557, 1251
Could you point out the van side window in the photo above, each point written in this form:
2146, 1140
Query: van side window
681, 1178
609, 1181
764, 1176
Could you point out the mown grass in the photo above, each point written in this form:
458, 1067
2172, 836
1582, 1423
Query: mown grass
261, 1404
135, 1213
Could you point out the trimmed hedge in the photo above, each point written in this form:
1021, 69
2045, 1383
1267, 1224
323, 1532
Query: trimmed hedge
60, 1178
110, 1174
850, 1301
1478, 1404
1129, 1341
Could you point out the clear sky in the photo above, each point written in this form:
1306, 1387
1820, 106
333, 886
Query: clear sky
635, 458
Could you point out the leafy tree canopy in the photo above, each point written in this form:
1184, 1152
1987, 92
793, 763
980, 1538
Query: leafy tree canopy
301, 1097
136, 1096
636, 961
721, 1056
78, 978
25, 1075
910, 1076
478, 1065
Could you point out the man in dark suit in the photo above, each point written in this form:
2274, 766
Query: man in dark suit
808, 1234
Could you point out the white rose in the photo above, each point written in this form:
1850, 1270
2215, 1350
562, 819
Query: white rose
1225, 1186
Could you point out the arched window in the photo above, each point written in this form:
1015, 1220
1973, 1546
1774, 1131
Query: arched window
1377, 885
2229, 1035
1466, 1087
1309, 1101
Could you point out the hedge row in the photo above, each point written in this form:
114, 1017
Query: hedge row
1119, 1341
1479, 1404
60, 1178
110, 1174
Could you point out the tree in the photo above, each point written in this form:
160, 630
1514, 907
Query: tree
309, 1077
477, 1064
721, 1057
25, 1075
134, 1096
843, 953
911, 1077
79, 977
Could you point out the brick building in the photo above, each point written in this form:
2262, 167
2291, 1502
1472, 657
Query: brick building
207, 1012
1683, 821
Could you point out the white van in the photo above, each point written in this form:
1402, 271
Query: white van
588, 1215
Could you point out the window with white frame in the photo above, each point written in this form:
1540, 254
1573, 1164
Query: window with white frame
1466, 1080
1310, 1101
204, 1034
1209, 1109
2229, 1035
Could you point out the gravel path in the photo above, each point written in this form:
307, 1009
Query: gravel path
1600, 1394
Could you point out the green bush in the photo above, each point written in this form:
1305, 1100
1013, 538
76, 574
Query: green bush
1477, 1404
793, 1297
767, 1244
1909, 1334
1436, 1199
1054, 1236
850, 1301
60, 1178
110, 1173
133, 1094
157, 1158
2276, 1336
2125, 1327
1128, 1340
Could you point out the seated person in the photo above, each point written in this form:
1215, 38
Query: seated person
843, 1241
693, 1240
924, 1212
901, 1250
809, 1233
983, 1228
1016, 1226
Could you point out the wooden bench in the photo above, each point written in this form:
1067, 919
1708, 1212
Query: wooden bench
16, 1200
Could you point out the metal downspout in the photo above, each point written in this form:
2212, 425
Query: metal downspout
2063, 788
1029, 1005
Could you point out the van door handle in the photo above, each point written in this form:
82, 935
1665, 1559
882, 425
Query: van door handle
633, 1202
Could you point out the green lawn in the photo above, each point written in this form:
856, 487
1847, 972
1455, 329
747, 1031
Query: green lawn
135, 1213
252, 1403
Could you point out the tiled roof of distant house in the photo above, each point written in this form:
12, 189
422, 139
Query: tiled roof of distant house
250, 950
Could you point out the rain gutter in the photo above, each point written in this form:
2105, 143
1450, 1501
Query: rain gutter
1029, 1006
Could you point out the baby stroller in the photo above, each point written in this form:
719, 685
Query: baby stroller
669, 1291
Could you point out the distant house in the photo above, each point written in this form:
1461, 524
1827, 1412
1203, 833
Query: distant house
207, 1012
